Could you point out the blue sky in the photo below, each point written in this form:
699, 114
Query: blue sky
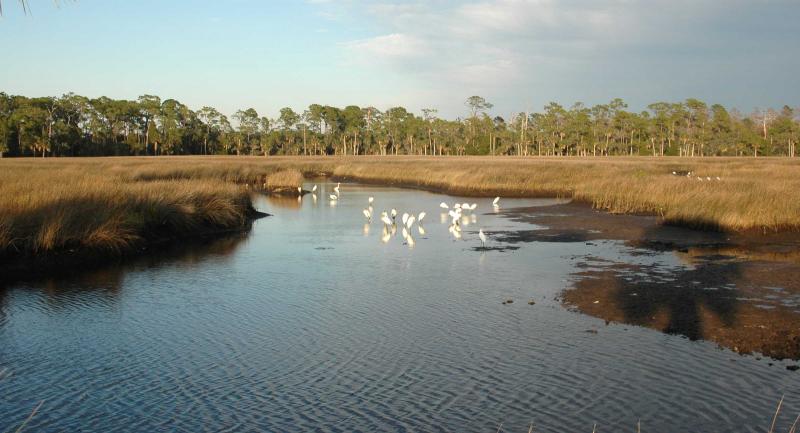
519, 54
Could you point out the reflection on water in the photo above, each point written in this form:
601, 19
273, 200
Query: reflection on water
318, 320
285, 201
713, 301
739, 292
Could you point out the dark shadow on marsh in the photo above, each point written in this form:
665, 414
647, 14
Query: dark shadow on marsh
738, 290
673, 303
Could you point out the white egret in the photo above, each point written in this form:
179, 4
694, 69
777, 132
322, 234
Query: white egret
444, 205
465, 206
385, 219
718, 178
482, 236
708, 177
410, 221
300, 190
420, 217
337, 188
314, 189
496, 202
334, 197
371, 199
367, 214
405, 217
394, 213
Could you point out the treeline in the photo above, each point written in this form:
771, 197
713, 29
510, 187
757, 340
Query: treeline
74, 125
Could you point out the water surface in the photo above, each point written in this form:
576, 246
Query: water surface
312, 322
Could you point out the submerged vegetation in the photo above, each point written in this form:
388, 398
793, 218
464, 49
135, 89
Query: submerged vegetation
75, 125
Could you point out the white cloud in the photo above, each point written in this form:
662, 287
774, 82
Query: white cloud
392, 47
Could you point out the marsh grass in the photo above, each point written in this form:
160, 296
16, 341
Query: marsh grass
112, 204
53, 208
286, 181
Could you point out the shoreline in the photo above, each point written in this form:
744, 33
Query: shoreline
64, 261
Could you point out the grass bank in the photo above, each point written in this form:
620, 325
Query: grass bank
56, 207
114, 204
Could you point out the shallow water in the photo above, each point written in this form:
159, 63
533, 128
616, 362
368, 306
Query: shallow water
312, 322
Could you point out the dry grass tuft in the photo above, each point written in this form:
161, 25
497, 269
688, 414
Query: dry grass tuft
285, 181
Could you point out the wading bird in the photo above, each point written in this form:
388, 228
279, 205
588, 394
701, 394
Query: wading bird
482, 236
334, 197
444, 205
337, 188
410, 221
314, 189
368, 214
371, 199
420, 217
394, 214
405, 217
496, 202
385, 219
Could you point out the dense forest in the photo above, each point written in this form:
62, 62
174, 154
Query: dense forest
74, 125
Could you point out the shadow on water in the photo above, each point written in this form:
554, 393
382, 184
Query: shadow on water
106, 276
740, 292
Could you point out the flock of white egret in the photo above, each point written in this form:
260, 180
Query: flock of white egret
458, 215
699, 178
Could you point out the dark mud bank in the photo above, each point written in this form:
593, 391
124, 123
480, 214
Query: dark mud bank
739, 290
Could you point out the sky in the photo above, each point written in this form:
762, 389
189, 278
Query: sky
518, 54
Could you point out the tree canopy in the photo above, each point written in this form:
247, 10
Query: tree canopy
75, 125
